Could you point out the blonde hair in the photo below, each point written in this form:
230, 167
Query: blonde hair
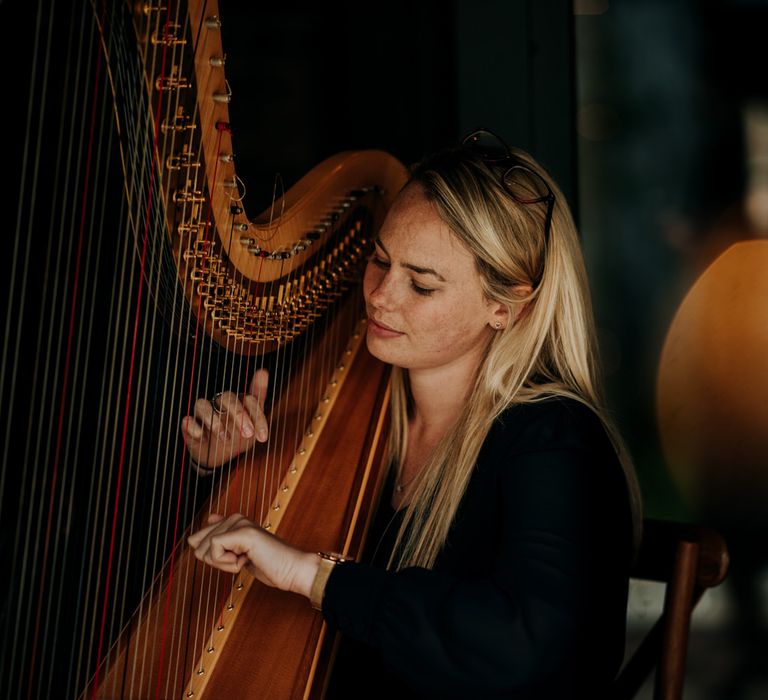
550, 350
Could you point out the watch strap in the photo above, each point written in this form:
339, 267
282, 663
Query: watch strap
328, 560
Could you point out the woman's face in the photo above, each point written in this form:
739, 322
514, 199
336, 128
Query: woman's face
425, 304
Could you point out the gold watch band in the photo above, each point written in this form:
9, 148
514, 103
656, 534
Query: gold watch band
328, 560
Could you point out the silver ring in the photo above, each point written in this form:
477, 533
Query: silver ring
215, 403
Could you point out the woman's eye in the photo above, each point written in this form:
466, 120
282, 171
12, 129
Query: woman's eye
379, 262
424, 291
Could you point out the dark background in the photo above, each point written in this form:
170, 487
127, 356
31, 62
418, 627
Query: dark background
406, 77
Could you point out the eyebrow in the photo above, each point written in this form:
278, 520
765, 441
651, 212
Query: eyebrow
416, 268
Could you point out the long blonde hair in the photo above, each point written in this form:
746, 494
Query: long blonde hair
551, 349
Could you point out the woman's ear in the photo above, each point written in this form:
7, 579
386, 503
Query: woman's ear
499, 319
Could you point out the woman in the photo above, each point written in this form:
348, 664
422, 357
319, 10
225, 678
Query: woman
498, 562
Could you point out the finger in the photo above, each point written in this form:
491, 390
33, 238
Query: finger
209, 418
254, 403
230, 567
191, 429
220, 556
229, 548
259, 385
197, 538
217, 524
257, 416
230, 404
226, 549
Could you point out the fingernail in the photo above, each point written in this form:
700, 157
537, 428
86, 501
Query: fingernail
247, 430
263, 434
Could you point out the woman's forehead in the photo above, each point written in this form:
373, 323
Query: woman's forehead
415, 234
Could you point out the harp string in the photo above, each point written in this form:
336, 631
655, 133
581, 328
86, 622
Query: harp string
206, 374
97, 206
49, 513
203, 378
172, 429
151, 193
22, 556
97, 495
134, 196
120, 309
112, 377
172, 434
65, 461
145, 240
144, 391
176, 394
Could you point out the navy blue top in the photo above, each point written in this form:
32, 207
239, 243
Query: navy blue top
528, 597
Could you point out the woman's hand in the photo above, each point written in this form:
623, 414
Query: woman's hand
231, 543
213, 438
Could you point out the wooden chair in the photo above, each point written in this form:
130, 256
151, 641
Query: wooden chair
689, 559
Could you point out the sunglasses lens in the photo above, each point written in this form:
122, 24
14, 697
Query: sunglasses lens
487, 145
526, 186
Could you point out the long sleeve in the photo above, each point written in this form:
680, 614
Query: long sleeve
509, 614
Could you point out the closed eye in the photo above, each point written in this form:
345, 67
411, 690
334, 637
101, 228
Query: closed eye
383, 264
424, 291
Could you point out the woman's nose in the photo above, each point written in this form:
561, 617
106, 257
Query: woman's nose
380, 291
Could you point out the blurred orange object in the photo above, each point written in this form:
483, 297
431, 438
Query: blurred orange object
712, 386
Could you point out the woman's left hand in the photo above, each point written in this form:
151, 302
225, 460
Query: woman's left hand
232, 543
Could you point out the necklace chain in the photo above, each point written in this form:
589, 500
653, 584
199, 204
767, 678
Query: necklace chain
400, 485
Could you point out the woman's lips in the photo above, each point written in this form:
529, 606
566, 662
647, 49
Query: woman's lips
383, 331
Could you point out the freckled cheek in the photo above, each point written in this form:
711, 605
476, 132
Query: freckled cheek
453, 329
441, 332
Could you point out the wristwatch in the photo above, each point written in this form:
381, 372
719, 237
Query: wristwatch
328, 560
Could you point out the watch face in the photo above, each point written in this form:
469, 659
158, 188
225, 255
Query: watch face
334, 557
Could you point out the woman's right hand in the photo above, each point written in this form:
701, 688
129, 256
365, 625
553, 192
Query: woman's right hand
213, 438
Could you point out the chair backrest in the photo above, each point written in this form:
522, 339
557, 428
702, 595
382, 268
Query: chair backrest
688, 559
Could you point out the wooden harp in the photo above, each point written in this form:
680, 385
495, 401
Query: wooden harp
196, 296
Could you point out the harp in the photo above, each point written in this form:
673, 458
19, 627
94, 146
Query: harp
136, 283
